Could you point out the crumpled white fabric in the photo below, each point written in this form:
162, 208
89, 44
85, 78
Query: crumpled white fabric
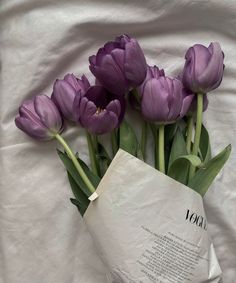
42, 236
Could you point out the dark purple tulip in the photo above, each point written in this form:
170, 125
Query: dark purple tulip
98, 110
64, 92
163, 100
203, 70
39, 118
120, 65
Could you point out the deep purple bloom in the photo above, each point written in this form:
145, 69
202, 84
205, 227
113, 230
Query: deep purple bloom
39, 118
98, 110
203, 70
64, 92
163, 100
120, 65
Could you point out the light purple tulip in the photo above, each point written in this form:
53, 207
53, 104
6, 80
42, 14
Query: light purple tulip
39, 118
163, 100
193, 106
120, 65
64, 92
203, 70
98, 110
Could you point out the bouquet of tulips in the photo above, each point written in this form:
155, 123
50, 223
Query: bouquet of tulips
148, 223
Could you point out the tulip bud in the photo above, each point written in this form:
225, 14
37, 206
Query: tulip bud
39, 118
203, 70
163, 100
119, 65
64, 92
98, 110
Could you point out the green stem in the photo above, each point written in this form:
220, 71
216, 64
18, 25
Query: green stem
189, 134
76, 163
197, 132
161, 149
155, 138
144, 139
92, 155
114, 142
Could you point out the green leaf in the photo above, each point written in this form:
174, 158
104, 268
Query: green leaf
75, 175
79, 194
204, 177
170, 131
178, 147
205, 147
103, 158
82, 209
127, 139
180, 167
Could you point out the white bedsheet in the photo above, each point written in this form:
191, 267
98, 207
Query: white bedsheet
42, 236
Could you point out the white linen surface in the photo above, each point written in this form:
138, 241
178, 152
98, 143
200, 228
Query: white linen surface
42, 236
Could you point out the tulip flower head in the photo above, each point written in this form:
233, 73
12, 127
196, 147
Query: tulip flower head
163, 100
120, 65
98, 110
39, 118
203, 70
64, 92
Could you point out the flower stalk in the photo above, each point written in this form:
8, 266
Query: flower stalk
92, 153
76, 163
197, 131
161, 148
189, 133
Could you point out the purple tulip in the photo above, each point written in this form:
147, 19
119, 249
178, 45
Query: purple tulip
39, 118
120, 65
203, 70
98, 110
163, 100
64, 92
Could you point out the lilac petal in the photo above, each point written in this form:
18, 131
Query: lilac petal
92, 60
48, 113
76, 106
86, 110
188, 72
154, 104
33, 129
213, 73
98, 95
110, 46
72, 80
114, 106
63, 96
101, 123
177, 100
85, 82
186, 105
202, 56
119, 57
110, 76
135, 63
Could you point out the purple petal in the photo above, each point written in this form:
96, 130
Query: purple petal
211, 77
135, 63
114, 106
186, 105
92, 60
63, 96
154, 104
98, 95
101, 123
202, 58
48, 113
177, 100
33, 129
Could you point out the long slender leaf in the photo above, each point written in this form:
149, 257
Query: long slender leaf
204, 177
205, 147
178, 147
75, 175
103, 158
128, 139
82, 209
180, 166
